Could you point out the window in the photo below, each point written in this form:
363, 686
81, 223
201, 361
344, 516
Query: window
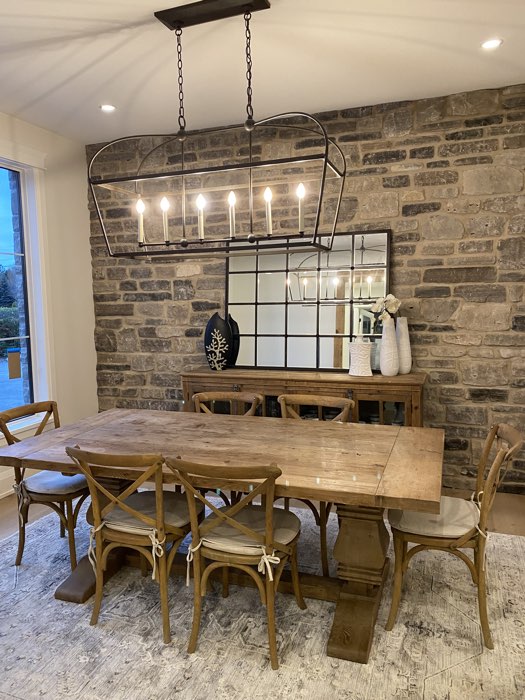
16, 382
301, 309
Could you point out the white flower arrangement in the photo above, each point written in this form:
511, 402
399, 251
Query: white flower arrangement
386, 307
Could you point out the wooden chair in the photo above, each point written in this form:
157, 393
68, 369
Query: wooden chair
291, 405
239, 403
153, 523
461, 524
54, 490
247, 402
258, 540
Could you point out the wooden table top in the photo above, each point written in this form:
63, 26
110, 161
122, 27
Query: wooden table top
353, 463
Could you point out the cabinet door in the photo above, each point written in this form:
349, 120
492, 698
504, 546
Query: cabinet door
383, 409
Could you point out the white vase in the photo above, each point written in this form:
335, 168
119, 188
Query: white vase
403, 345
360, 359
389, 359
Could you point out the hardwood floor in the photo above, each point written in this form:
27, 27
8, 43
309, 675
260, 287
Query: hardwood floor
508, 514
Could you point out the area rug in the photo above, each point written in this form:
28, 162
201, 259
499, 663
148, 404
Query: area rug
49, 650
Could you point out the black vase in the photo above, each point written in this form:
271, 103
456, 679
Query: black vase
219, 344
236, 341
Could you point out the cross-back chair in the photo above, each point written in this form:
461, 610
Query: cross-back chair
52, 489
461, 524
257, 539
243, 403
153, 523
240, 402
325, 408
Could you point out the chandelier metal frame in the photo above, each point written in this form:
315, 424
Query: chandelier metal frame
330, 158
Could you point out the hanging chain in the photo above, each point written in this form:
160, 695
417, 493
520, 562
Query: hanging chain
249, 124
182, 119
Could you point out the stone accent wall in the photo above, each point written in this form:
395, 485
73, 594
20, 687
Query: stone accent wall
447, 176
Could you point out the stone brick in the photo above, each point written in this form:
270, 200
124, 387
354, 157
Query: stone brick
485, 226
481, 293
470, 103
438, 164
155, 345
105, 341
114, 310
475, 246
443, 377
460, 274
488, 395
416, 209
464, 134
474, 160
493, 179
466, 414
512, 253
380, 205
384, 157
442, 227
147, 296
518, 323
485, 374
398, 122
422, 152
396, 181
438, 310
466, 147
436, 177
432, 292
514, 141
183, 289
487, 316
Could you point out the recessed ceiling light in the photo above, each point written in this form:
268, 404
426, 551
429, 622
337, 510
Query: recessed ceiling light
492, 44
108, 108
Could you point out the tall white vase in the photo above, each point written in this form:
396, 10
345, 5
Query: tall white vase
389, 359
403, 345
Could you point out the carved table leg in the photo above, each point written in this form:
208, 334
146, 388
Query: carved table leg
80, 584
360, 549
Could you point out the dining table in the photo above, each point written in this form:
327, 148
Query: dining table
362, 468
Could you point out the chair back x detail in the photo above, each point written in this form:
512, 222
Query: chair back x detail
240, 402
291, 406
51, 489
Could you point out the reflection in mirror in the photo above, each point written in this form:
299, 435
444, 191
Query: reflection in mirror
271, 286
301, 352
318, 301
270, 352
271, 319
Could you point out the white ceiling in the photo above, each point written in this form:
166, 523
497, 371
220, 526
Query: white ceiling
61, 59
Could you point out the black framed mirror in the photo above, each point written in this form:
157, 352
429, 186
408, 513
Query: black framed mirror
300, 310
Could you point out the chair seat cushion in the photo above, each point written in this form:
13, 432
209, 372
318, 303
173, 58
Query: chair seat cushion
226, 538
456, 517
48, 483
176, 512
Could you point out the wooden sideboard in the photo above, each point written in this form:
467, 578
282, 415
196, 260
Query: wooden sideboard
377, 399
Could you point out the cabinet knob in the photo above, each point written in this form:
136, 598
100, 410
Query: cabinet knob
236, 387
349, 393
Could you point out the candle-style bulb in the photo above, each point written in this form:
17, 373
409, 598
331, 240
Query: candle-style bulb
140, 207
268, 199
231, 213
300, 192
201, 203
165, 205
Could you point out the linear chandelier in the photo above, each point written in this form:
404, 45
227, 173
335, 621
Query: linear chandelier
260, 187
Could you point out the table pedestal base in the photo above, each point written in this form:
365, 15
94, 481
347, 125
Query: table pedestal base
360, 549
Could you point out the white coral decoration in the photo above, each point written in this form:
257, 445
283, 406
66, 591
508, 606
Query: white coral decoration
217, 350
386, 307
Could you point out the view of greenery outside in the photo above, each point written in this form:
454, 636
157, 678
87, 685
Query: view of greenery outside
14, 389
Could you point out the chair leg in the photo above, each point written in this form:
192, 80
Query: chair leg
482, 595
164, 606
225, 582
22, 520
197, 602
270, 613
62, 525
70, 518
399, 548
295, 580
99, 586
323, 519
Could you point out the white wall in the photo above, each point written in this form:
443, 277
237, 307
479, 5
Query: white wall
67, 265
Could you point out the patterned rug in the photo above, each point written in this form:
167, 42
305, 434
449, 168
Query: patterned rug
49, 650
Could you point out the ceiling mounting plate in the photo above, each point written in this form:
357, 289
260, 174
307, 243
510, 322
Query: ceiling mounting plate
208, 11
